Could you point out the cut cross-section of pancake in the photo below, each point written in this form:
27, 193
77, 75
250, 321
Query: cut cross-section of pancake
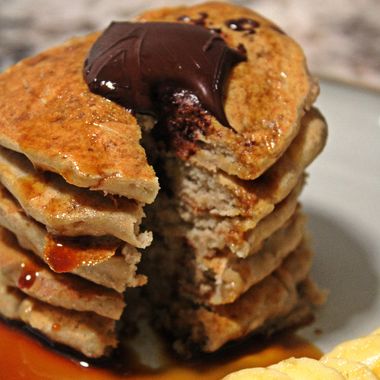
245, 202
221, 220
286, 297
226, 195
232, 277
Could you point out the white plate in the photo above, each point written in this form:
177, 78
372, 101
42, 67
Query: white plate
342, 200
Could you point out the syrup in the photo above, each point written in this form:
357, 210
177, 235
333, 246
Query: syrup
28, 276
21, 357
66, 254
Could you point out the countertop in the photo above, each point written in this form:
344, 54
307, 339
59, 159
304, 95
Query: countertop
341, 38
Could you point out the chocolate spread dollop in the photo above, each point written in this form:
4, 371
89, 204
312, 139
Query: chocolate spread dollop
133, 64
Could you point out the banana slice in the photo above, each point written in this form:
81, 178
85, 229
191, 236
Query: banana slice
257, 374
351, 370
305, 368
357, 359
376, 332
365, 350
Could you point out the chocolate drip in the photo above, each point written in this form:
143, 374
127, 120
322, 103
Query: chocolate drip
134, 63
243, 25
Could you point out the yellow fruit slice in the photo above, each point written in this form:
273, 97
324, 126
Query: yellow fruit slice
307, 369
350, 369
365, 350
257, 374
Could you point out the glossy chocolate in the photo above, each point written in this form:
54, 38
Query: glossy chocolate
133, 64
201, 20
243, 25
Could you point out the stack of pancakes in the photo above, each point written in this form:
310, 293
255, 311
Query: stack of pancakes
229, 255
229, 231
74, 180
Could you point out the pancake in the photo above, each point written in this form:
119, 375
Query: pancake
88, 333
265, 99
68, 210
263, 307
219, 277
232, 277
18, 269
236, 234
117, 272
204, 227
66, 129
258, 113
225, 195
270, 224
215, 254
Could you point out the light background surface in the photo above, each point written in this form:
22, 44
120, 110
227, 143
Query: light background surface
342, 201
341, 37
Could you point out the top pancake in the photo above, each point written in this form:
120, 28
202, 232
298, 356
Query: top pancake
265, 98
48, 114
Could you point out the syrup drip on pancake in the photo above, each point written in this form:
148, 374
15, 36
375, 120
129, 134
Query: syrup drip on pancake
65, 254
56, 327
28, 276
134, 63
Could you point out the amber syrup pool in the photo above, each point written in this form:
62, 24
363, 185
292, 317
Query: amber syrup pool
22, 356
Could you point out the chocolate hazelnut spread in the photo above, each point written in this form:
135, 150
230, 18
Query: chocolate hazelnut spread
243, 25
134, 63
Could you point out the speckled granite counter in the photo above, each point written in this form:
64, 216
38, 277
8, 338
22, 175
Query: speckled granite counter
341, 37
